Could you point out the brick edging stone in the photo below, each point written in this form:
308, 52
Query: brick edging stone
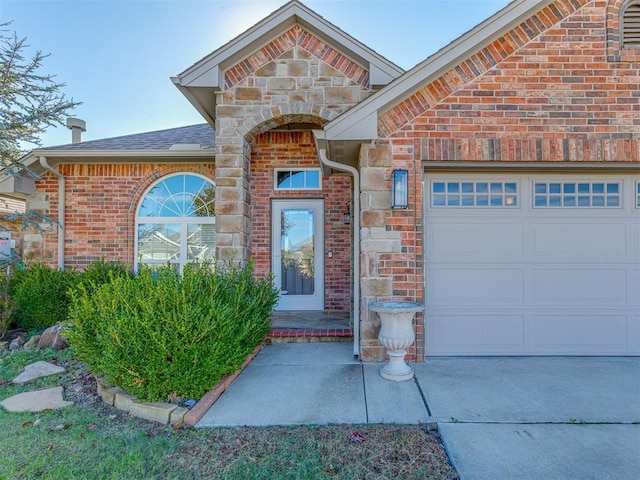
163, 412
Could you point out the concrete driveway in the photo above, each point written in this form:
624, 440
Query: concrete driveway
537, 418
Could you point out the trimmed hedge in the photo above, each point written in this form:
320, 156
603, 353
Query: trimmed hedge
161, 334
41, 294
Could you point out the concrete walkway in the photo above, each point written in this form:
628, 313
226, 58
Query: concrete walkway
507, 418
314, 383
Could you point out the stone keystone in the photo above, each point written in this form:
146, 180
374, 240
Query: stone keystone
37, 401
37, 370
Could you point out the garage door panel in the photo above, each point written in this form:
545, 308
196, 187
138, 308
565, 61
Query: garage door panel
633, 331
475, 285
492, 239
555, 273
469, 334
580, 240
579, 285
592, 334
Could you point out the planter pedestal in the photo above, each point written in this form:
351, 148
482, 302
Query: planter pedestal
396, 334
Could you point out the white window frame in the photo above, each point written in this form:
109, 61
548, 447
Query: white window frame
296, 170
182, 222
590, 195
504, 195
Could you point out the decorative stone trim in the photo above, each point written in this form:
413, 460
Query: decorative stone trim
164, 412
296, 36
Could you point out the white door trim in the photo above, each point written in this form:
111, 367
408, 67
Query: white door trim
315, 300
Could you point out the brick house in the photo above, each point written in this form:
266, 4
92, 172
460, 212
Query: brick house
515, 151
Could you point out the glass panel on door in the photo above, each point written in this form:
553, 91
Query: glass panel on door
297, 252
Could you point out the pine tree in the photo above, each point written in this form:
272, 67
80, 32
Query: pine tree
30, 102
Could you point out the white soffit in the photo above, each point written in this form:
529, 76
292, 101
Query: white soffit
360, 123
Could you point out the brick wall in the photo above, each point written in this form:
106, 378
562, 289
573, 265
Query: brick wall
272, 150
101, 202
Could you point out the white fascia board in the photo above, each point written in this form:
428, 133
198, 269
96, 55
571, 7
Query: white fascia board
88, 153
435, 66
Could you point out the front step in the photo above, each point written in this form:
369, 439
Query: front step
309, 335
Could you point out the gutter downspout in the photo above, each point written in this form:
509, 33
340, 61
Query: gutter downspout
322, 155
61, 208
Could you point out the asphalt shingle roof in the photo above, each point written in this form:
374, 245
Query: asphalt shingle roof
202, 134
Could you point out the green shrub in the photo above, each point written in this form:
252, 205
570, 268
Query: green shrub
41, 293
7, 310
100, 272
162, 334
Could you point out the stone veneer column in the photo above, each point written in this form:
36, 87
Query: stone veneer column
233, 223
34, 246
377, 241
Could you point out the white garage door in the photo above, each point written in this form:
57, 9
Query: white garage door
532, 265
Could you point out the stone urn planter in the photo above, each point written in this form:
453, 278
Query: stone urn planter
396, 334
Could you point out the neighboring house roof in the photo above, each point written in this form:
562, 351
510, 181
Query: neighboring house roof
200, 82
202, 135
361, 122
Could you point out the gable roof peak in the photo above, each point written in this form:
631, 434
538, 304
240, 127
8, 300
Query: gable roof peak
200, 81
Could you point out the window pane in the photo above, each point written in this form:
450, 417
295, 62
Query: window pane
159, 243
467, 200
438, 200
482, 188
482, 200
201, 242
541, 188
467, 188
540, 201
283, 179
438, 187
174, 197
453, 187
313, 179
297, 179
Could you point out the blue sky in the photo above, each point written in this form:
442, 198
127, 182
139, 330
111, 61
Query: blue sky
116, 56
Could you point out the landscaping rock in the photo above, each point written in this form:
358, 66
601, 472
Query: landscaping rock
37, 370
51, 338
4, 346
32, 343
37, 401
16, 343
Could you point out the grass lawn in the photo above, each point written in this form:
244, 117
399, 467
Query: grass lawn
90, 440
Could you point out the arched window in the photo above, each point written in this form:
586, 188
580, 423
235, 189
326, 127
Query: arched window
175, 221
630, 25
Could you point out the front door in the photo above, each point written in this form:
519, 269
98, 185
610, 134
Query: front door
297, 253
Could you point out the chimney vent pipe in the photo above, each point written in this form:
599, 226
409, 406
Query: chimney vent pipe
77, 126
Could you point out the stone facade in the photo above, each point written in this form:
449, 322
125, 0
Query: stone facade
295, 79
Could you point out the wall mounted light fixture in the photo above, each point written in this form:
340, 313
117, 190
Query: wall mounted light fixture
400, 189
347, 214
